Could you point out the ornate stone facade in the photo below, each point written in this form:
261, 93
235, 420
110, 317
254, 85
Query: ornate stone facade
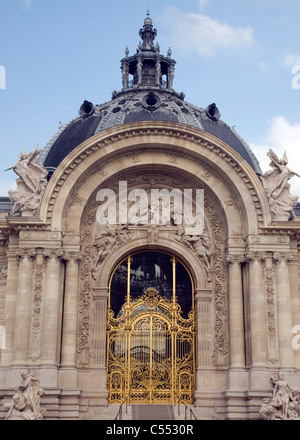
57, 261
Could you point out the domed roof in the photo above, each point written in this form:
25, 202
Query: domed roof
147, 95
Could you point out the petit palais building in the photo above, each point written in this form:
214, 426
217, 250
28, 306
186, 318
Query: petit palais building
111, 297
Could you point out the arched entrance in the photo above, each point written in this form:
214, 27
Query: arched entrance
151, 331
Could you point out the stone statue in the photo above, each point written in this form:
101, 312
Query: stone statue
25, 404
157, 72
140, 71
171, 75
277, 188
200, 245
125, 73
106, 238
30, 185
283, 403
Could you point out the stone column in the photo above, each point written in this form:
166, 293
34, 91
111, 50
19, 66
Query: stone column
236, 311
284, 310
23, 308
50, 330
69, 331
10, 305
257, 306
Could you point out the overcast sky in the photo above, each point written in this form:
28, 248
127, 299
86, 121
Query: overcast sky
242, 55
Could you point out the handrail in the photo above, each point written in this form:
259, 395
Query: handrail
120, 412
186, 410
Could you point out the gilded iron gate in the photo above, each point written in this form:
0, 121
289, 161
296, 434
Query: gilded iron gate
151, 347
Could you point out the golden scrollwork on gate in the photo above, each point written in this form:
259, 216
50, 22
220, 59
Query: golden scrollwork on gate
151, 351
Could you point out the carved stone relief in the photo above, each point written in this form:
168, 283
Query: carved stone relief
38, 270
269, 281
25, 404
283, 403
3, 272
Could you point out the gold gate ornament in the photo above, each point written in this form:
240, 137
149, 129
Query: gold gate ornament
151, 351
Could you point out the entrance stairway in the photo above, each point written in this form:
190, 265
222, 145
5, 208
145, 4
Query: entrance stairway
153, 412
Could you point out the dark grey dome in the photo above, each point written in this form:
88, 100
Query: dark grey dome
136, 106
147, 95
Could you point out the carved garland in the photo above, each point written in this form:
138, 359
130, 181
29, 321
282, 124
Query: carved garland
269, 279
38, 270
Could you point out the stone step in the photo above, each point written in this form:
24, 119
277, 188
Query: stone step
153, 412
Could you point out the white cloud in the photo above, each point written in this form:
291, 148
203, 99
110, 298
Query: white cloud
26, 4
281, 136
291, 60
201, 33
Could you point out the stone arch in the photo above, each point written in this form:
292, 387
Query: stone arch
194, 265
186, 150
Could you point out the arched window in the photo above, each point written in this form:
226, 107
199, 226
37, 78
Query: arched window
155, 270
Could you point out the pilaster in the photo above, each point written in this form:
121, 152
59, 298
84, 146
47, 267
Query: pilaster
23, 307
257, 309
284, 310
68, 372
50, 334
236, 310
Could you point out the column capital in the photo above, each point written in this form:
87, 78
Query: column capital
53, 253
25, 252
72, 256
279, 257
235, 258
251, 257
